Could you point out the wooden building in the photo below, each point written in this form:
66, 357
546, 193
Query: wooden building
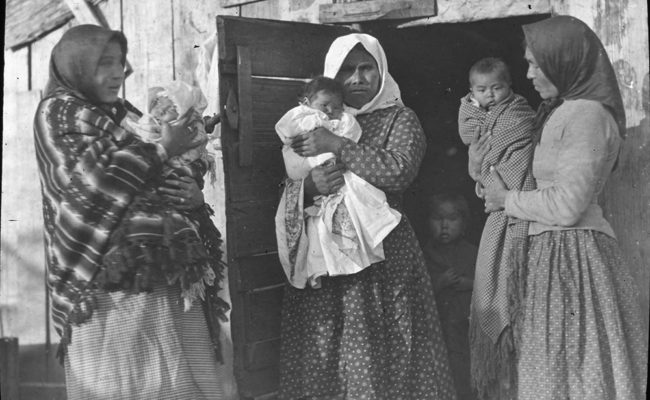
253, 60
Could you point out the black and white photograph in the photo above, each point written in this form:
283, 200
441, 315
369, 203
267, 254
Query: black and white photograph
325, 200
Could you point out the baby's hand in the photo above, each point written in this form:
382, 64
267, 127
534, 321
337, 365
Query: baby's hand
175, 138
448, 278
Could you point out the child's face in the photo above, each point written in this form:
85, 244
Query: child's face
164, 110
446, 223
329, 103
489, 89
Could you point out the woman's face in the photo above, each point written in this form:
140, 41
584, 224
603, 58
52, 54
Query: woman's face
109, 74
542, 84
359, 75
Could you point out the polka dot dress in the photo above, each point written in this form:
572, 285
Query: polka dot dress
583, 336
374, 334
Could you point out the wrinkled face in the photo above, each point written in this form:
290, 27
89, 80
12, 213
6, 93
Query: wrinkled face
164, 110
109, 74
446, 223
542, 84
489, 89
329, 103
359, 75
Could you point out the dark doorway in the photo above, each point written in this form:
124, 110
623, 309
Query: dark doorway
431, 64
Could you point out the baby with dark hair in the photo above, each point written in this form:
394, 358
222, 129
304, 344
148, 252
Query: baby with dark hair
492, 108
345, 230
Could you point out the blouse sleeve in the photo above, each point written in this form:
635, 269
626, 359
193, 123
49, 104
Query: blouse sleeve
583, 152
394, 166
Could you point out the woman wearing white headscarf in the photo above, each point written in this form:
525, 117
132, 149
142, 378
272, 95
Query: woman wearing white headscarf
374, 334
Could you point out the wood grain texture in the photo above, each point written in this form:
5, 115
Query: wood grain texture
148, 28
279, 49
370, 10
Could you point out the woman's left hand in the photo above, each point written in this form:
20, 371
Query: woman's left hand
316, 142
184, 194
495, 193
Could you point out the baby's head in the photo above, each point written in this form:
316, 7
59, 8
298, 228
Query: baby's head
324, 94
162, 108
448, 217
174, 101
490, 82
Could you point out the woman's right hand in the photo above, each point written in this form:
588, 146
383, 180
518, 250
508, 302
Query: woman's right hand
478, 149
325, 179
177, 138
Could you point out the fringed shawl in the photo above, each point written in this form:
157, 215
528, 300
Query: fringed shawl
91, 169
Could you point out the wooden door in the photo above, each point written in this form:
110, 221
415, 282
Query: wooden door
262, 67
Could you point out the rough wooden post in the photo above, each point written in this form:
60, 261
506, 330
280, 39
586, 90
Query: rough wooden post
9, 384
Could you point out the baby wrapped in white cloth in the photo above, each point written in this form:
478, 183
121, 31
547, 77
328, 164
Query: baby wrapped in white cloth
345, 230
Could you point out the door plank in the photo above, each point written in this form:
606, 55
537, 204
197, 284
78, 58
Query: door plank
277, 50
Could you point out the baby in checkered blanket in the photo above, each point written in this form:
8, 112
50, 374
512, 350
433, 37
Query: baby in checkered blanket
492, 108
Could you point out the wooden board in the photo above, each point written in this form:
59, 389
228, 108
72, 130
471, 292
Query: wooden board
233, 3
147, 26
275, 48
40, 57
371, 10
193, 24
22, 254
16, 70
264, 49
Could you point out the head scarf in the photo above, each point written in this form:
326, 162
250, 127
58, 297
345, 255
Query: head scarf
75, 57
388, 94
575, 61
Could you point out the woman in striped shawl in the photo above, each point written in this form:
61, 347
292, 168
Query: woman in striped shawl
124, 332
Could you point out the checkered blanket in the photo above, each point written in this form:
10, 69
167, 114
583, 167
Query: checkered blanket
511, 124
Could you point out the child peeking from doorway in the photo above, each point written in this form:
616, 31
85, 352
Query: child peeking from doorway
343, 232
450, 261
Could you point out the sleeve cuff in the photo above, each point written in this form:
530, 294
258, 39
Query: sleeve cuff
509, 204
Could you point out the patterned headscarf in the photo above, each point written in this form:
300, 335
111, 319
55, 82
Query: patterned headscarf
388, 94
575, 61
75, 57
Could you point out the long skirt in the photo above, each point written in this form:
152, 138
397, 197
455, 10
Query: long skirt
367, 336
143, 346
583, 335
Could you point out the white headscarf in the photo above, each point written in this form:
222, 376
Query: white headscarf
388, 94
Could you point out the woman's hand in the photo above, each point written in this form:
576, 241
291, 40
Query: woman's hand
316, 142
478, 149
325, 179
177, 138
495, 193
183, 193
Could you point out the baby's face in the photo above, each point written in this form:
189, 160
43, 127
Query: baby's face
446, 223
329, 103
489, 89
164, 110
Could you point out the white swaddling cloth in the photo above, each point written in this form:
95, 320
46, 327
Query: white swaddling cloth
330, 244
